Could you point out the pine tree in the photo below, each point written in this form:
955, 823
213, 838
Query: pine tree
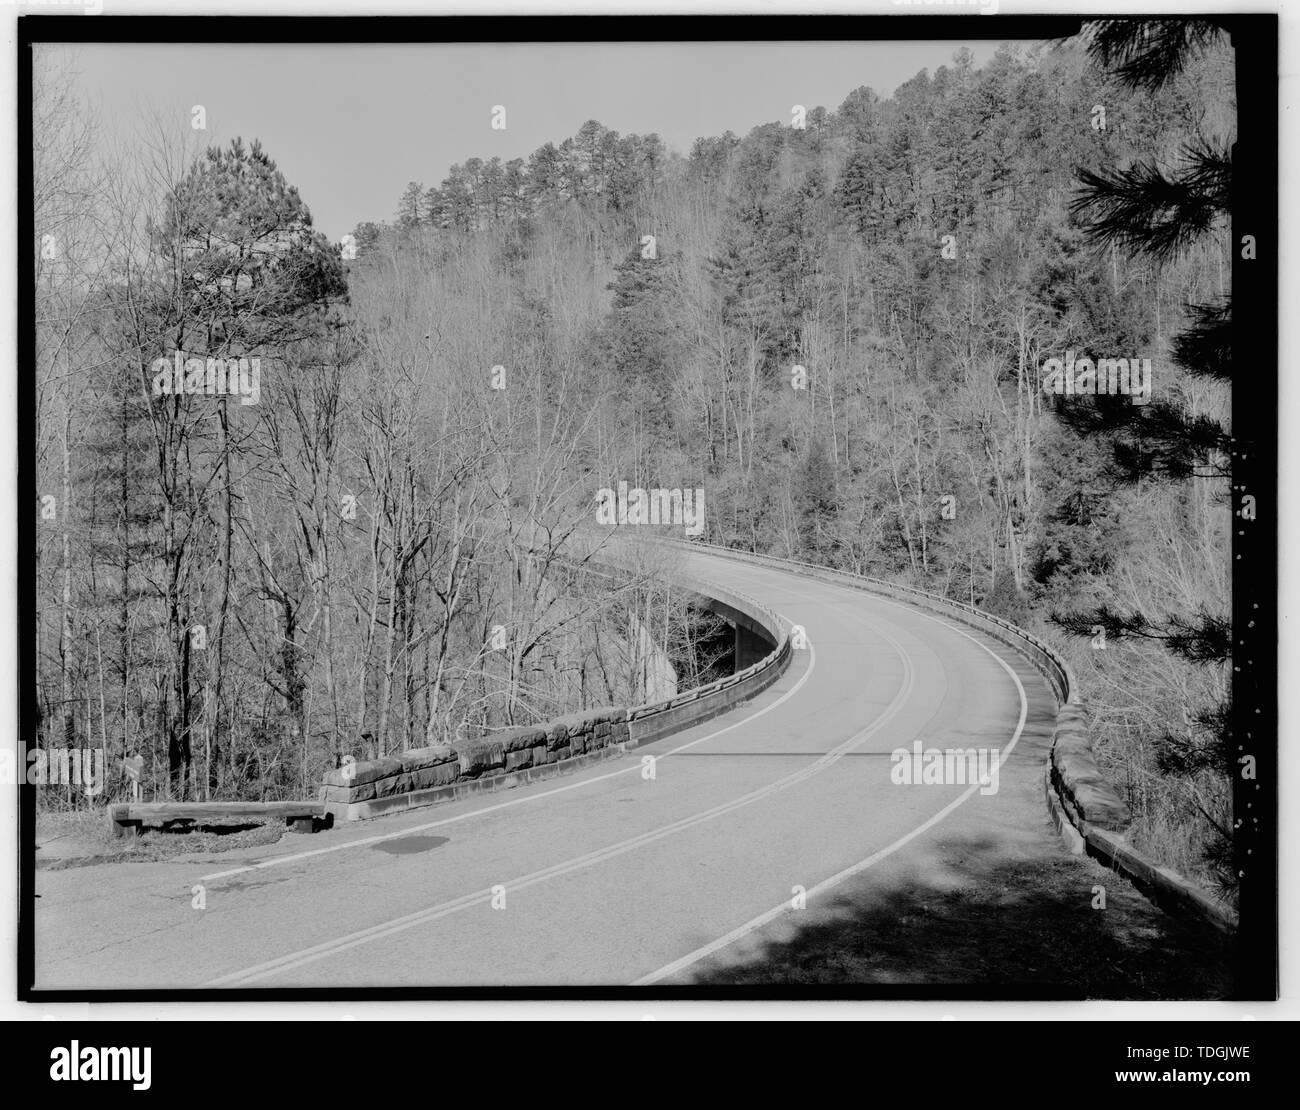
1158, 214
408, 208
239, 273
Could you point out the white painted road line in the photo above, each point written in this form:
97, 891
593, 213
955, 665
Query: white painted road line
338, 945
277, 861
317, 952
862, 865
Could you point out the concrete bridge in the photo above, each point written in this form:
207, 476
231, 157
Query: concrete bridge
804, 785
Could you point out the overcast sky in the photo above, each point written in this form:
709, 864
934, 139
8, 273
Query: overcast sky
351, 125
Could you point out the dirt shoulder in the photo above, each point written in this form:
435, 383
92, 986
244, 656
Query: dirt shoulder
83, 838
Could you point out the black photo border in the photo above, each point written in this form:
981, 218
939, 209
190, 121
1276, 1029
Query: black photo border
1254, 421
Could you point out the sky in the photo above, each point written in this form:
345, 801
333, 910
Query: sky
351, 125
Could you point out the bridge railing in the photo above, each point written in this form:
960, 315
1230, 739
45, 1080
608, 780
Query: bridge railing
1046, 659
657, 719
590, 548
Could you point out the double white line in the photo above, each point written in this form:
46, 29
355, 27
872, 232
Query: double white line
771, 915
445, 909
342, 944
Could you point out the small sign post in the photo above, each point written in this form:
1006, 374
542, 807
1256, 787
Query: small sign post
134, 767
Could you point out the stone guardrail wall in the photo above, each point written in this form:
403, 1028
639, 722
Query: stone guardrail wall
1087, 810
426, 776
656, 720
651, 722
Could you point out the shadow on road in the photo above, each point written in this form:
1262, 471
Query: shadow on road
969, 918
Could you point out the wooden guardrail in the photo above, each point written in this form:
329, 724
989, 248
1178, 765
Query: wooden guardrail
125, 818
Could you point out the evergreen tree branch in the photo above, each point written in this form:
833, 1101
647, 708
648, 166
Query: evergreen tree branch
1205, 346
1147, 53
1205, 638
1147, 211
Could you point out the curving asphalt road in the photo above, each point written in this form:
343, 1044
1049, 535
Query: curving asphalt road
609, 875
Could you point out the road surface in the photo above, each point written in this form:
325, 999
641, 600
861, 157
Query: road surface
612, 875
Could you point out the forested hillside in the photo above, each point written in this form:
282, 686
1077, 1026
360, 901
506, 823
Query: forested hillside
835, 325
